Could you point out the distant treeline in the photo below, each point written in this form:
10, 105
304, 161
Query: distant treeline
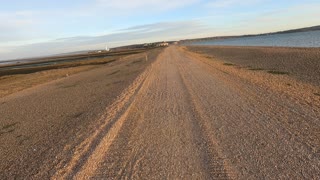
138, 46
313, 28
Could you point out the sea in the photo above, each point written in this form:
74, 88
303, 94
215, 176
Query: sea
298, 39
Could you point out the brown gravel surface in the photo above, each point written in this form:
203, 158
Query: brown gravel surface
188, 117
41, 126
300, 63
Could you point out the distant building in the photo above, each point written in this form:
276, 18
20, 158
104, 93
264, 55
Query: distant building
157, 44
163, 44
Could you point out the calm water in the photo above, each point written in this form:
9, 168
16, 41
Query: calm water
301, 39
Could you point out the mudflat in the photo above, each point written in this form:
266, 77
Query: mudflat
182, 115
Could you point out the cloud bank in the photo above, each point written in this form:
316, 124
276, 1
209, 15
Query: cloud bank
34, 28
136, 34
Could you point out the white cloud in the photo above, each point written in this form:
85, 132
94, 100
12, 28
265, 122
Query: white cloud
162, 31
287, 18
267, 20
17, 25
227, 17
144, 5
5, 50
99, 16
18, 18
230, 3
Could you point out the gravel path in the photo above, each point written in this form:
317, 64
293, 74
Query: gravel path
191, 121
189, 118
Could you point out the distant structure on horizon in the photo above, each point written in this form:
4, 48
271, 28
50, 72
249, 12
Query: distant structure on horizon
157, 44
107, 49
163, 44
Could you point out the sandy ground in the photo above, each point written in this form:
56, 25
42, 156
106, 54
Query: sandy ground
185, 117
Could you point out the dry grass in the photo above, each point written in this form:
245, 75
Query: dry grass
278, 72
38, 67
228, 64
256, 69
15, 80
14, 83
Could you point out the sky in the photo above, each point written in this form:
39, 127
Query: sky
31, 28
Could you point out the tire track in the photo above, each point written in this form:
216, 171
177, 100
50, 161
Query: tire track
252, 121
219, 166
306, 116
166, 139
83, 161
184, 120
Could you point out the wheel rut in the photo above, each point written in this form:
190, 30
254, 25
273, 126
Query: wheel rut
163, 135
183, 119
83, 161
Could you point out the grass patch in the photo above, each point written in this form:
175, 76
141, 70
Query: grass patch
69, 86
317, 94
115, 72
77, 115
33, 68
117, 82
137, 61
278, 72
9, 125
256, 69
228, 64
9, 128
22, 139
10, 131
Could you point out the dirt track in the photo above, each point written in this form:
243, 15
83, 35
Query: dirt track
191, 122
186, 117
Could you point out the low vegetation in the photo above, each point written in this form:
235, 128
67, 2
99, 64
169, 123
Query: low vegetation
8, 128
278, 72
256, 69
228, 64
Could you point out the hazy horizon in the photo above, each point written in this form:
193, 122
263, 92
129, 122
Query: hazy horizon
39, 28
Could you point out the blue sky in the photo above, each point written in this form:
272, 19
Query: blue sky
44, 27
